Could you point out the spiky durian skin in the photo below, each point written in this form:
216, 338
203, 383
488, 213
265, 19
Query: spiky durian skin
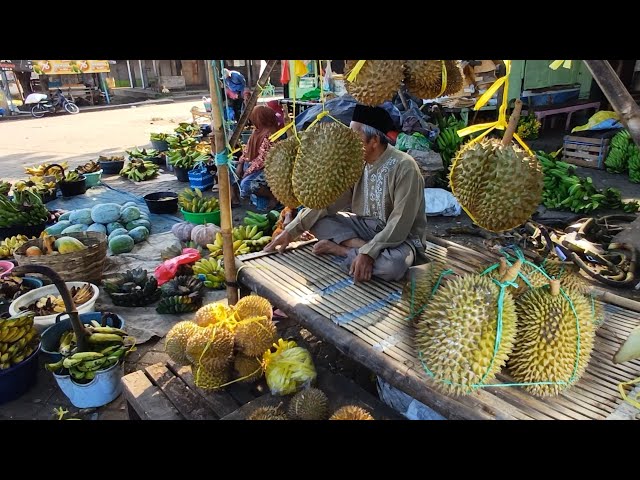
253, 306
501, 186
547, 339
309, 404
255, 335
267, 413
249, 367
457, 332
419, 287
208, 379
210, 346
532, 274
377, 82
454, 77
567, 273
351, 412
330, 161
211, 314
176, 341
424, 78
278, 170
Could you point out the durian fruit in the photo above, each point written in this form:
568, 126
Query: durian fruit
330, 161
267, 413
249, 367
499, 184
309, 404
533, 275
547, 339
176, 341
567, 273
422, 279
454, 78
278, 170
255, 335
210, 346
456, 335
377, 81
253, 306
351, 412
211, 314
423, 78
208, 379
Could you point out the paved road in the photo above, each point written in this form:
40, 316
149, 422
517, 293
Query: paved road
80, 138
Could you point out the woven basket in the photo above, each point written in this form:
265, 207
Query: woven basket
83, 266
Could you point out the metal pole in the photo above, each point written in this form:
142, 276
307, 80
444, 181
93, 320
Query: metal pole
141, 73
618, 96
224, 190
106, 90
130, 76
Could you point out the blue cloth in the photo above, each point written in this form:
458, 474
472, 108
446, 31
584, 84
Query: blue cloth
247, 186
106, 194
236, 82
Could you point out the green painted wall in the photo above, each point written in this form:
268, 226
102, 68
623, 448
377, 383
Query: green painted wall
529, 74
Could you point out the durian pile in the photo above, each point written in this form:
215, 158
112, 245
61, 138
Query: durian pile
498, 183
379, 80
456, 333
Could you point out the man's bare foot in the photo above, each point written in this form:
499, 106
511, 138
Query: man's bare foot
328, 247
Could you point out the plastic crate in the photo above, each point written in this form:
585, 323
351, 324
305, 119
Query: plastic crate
585, 151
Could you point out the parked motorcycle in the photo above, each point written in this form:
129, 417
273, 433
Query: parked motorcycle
42, 104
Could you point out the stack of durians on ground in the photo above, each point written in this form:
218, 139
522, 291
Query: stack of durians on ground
456, 331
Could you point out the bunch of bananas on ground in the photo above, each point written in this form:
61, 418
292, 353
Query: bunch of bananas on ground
448, 140
50, 304
193, 201
108, 346
143, 154
252, 237
264, 221
11, 244
179, 304
528, 127
204, 147
18, 339
4, 187
213, 271
40, 169
71, 177
188, 129
616, 161
140, 170
566, 191
25, 208
36, 185
633, 163
239, 246
89, 167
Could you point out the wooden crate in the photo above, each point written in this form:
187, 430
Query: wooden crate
585, 151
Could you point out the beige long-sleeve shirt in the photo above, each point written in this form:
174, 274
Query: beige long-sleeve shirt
392, 190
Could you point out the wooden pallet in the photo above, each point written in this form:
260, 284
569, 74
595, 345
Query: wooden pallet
369, 322
585, 151
167, 392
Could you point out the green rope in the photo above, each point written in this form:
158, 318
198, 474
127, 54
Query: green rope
433, 291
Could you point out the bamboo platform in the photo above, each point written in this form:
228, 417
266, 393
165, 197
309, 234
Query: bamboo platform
369, 323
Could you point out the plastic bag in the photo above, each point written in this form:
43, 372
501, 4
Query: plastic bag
602, 120
167, 270
289, 368
405, 404
415, 141
441, 202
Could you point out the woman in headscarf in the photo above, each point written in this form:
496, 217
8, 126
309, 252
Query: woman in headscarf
250, 168
275, 106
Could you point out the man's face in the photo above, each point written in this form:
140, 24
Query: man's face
369, 145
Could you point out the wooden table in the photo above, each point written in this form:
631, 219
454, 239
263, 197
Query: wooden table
569, 108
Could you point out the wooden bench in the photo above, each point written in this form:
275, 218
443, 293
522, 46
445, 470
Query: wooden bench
167, 392
569, 108
368, 322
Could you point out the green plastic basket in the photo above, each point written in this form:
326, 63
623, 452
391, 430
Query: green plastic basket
202, 218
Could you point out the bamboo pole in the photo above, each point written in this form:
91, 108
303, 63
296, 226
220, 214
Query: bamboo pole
224, 191
618, 96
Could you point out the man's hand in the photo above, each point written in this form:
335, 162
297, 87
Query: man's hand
282, 240
362, 268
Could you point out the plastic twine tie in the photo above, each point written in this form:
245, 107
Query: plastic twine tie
433, 291
444, 79
356, 70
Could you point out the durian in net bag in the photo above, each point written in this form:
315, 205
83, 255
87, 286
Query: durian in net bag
289, 368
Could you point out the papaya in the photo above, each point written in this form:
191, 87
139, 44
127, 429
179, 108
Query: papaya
69, 245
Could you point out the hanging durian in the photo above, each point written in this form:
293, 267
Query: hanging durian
546, 343
424, 78
454, 78
330, 161
497, 182
456, 335
377, 82
278, 170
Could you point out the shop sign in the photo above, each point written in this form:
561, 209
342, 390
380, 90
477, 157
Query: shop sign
70, 67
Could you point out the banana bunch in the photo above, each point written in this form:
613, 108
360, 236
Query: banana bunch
212, 270
617, 158
36, 185
264, 221
89, 167
448, 143
193, 201
85, 365
528, 127
139, 170
179, 304
204, 147
40, 169
25, 208
11, 244
633, 163
18, 339
71, 177
55, 304
239, 246
251, 237
4, 187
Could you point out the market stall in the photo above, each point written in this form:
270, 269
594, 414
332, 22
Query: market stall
78, 79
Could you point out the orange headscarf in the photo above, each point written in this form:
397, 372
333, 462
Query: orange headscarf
266, 123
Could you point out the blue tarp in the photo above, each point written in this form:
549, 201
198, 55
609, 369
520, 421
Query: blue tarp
105, 194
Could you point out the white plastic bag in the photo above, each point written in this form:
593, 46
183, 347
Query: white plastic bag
405, 404
441, 202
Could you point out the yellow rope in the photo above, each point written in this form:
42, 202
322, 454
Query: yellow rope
444, 79
556, 64
633, 400
356, 69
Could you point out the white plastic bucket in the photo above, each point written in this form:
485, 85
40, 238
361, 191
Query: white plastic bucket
104, 388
